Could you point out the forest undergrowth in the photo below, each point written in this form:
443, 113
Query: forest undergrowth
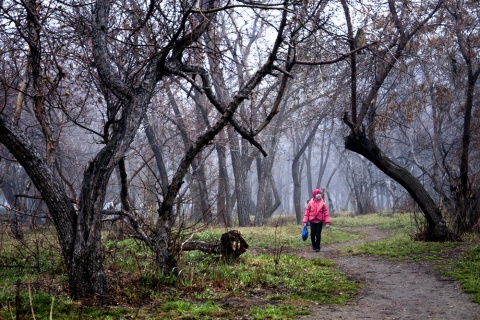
277, 278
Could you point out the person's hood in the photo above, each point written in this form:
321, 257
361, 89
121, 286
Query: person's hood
315, 192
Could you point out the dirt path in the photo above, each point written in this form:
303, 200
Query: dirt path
395, 290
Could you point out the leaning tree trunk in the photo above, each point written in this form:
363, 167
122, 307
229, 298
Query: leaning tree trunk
437, 229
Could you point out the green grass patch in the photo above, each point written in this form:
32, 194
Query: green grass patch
399, 222
468, 272
291, 276
277, 312
401, 247
37, 254
42, 305
291, 280
189, 310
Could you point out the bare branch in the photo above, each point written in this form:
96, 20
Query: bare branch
340, 58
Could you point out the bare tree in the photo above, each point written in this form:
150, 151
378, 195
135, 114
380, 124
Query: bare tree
466, 194
130, 60
362, 135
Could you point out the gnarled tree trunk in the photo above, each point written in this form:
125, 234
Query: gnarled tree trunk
437, 229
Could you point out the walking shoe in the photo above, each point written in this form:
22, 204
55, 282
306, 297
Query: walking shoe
317, 250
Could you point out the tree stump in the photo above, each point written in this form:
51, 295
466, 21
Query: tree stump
231, 245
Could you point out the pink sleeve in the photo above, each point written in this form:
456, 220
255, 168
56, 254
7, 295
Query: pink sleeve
327, 215
306, 214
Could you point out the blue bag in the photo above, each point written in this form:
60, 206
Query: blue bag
304, 233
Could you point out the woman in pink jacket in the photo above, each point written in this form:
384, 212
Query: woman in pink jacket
317, 214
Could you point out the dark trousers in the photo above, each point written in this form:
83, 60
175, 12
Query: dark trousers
316, 234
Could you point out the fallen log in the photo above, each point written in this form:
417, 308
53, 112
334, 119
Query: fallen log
231, 245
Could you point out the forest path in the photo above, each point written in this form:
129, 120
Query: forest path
394, 290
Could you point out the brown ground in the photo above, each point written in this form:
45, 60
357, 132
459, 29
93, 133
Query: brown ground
395, 290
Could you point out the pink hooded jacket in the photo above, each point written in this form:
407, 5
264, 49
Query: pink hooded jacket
316, 210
